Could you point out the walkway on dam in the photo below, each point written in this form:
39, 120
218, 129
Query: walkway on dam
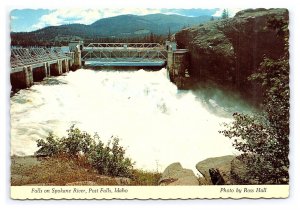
36, 57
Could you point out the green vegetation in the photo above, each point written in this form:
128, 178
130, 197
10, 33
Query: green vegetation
225, 14
107, 159
141, 177
25, 39
110, 160
80, 157
263, 139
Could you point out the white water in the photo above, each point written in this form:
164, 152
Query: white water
157, 123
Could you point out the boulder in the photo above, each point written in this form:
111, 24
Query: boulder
203, 181
222, 164
174, 174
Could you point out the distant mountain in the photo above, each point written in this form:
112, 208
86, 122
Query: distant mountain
117, 27
155, 23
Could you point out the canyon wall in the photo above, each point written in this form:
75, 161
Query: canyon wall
226, 52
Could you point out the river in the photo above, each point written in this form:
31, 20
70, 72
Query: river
157, 123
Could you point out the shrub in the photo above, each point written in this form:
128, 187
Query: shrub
264, 154
48, 147
78, 142
107, 159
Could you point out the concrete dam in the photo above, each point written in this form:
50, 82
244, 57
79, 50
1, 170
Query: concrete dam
29, 65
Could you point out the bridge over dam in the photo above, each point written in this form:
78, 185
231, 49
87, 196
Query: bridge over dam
29, 65
125, 54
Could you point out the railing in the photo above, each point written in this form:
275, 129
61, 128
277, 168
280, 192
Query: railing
30, 56
124, 45
127, 52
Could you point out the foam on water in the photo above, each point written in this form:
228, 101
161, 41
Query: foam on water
157, 123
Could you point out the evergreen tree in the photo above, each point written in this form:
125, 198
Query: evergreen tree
225, 14
169, 35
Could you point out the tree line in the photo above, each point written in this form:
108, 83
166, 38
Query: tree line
32, 39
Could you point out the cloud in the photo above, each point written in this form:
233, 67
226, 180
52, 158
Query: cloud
85, 16
65, 16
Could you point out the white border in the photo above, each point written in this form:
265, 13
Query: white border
150, 192
7, 203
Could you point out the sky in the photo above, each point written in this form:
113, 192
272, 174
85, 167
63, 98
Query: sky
26, 20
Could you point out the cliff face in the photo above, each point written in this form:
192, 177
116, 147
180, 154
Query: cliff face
227, 51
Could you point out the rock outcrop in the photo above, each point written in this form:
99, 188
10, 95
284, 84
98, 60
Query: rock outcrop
174, 174
220, 164
227, 51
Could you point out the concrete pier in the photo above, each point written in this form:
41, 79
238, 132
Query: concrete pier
65, 66
28, 75
77, 58
47, 69
71, 61
178, 65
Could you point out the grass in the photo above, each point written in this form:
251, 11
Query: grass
141, 177
61, 170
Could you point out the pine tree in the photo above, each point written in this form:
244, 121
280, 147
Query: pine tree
225, 14
169, 35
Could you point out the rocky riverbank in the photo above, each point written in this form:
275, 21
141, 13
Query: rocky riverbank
224, 170
62, 171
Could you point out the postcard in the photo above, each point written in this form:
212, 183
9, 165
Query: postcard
154, 103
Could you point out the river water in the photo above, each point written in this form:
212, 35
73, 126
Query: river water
157, 123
